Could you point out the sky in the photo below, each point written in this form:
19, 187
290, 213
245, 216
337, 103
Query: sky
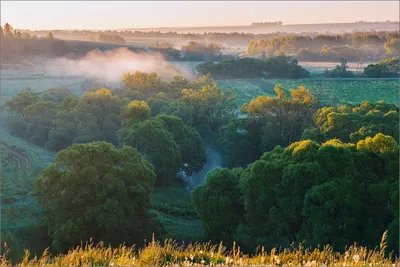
46, 15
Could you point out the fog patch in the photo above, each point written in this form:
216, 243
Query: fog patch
110, 66
214, 160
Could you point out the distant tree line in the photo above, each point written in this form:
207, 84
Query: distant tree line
357, 46
388, 68
274, 67
108, 38
14, 42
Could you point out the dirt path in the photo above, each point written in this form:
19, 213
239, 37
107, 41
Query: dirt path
22, 161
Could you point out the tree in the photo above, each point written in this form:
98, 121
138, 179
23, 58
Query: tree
156, 144
219, 205
166, 135
56, 94
8, 30
213, 105
96, 191
142, 82
50, 36
284, 118
189, 141
134, 112
380, 143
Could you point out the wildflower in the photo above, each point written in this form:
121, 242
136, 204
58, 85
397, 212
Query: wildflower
356, 258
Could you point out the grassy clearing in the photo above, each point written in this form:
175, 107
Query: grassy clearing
177, 213
329, 91
169, 253
21, 164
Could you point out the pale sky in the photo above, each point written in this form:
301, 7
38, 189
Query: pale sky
46, 15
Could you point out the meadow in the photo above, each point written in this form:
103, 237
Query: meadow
169, 253
329, 91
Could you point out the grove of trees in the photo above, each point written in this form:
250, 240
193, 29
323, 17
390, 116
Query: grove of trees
292, 171
275, 67
356, 46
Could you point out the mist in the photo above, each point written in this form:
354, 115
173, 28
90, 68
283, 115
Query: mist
110, 66
214, 160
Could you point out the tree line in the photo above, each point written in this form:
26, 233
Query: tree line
357, 46
244, 68
14, 42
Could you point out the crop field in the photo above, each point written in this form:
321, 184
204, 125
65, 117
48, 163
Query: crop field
329, 91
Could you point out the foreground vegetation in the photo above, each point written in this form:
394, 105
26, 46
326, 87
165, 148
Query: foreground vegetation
169, 253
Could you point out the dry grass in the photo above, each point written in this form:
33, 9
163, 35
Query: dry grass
169, 253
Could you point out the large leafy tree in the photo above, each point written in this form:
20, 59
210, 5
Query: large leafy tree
284, 118
96, 191
165, 140
353, 123
333, 193
214, 106
219, 204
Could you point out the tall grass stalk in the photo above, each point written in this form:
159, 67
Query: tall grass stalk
169, 253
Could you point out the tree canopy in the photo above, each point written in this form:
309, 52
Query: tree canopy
96, 191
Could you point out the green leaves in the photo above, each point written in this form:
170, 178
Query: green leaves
335, 193
95, 190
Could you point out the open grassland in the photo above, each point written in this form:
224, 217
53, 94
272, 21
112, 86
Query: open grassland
21, 164
169, 253
177, 213
329, 91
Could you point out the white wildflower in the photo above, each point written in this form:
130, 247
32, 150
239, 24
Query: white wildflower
356, 258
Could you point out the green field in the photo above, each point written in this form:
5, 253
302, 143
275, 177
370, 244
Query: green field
329, 91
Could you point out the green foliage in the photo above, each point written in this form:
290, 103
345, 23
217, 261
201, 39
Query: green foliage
189, 142
62, 120
11, 247
392, 47
384, 69
352, 123
219, 205
340, 71
356, 46
96, 191
284, 118
214, 106
380, 143
195, 51
274, 67
161, 136
143, 84
56, 94
334, 193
